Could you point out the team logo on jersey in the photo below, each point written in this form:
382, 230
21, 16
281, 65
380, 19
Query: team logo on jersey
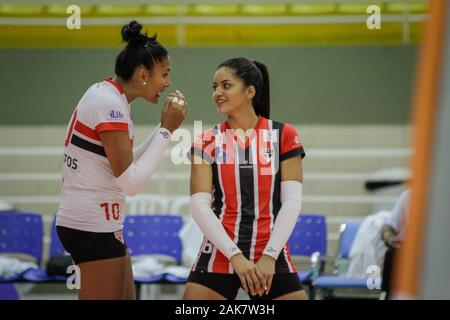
119, 236
116, 115
266, 154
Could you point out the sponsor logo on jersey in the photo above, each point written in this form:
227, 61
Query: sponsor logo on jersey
116, 115
269, 135
270, 249
164, 134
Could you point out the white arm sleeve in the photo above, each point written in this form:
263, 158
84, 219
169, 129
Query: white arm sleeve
291, 203
139, 150
138, 172
210, 224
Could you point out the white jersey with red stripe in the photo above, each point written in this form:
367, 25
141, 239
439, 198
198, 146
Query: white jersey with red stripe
246, 188
90, 198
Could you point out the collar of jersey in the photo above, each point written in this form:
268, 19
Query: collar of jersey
254, 133
115, 84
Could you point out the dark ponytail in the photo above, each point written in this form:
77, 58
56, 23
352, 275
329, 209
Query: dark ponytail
262, 105
140, 50
253, 74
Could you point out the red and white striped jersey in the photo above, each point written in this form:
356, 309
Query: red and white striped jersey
246, 188
90, 198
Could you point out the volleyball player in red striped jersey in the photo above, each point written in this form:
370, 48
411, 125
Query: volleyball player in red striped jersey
246, 186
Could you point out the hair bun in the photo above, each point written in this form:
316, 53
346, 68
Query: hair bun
131, 31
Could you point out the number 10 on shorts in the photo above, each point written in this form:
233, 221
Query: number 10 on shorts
115, 212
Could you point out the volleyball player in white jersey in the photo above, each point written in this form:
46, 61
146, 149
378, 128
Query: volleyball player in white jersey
100, 167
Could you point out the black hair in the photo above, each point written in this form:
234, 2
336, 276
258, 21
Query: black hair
253, 73
140, 50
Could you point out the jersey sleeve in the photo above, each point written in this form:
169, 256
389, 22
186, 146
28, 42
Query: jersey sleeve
109, 115
204, 146
291, 146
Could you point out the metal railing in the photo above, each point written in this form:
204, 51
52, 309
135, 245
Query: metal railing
182, 20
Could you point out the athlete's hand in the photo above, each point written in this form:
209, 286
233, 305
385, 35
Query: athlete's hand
266, 265
174, 111
251, 278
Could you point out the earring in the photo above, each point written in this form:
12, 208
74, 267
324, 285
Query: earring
144, 83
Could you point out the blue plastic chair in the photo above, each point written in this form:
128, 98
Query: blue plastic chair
8, 292
21, 233
56, 249
348, 234
324, 285
309, 237
154, 234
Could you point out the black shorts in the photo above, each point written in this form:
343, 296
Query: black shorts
228, 285
86, 246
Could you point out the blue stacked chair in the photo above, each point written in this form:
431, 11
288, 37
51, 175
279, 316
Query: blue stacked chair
21, 233
324, 285
154, 234
309, 238
56, 249
8, 292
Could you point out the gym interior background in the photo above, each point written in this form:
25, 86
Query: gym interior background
348, 89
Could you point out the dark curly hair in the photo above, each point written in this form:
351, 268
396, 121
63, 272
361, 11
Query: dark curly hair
140, 50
